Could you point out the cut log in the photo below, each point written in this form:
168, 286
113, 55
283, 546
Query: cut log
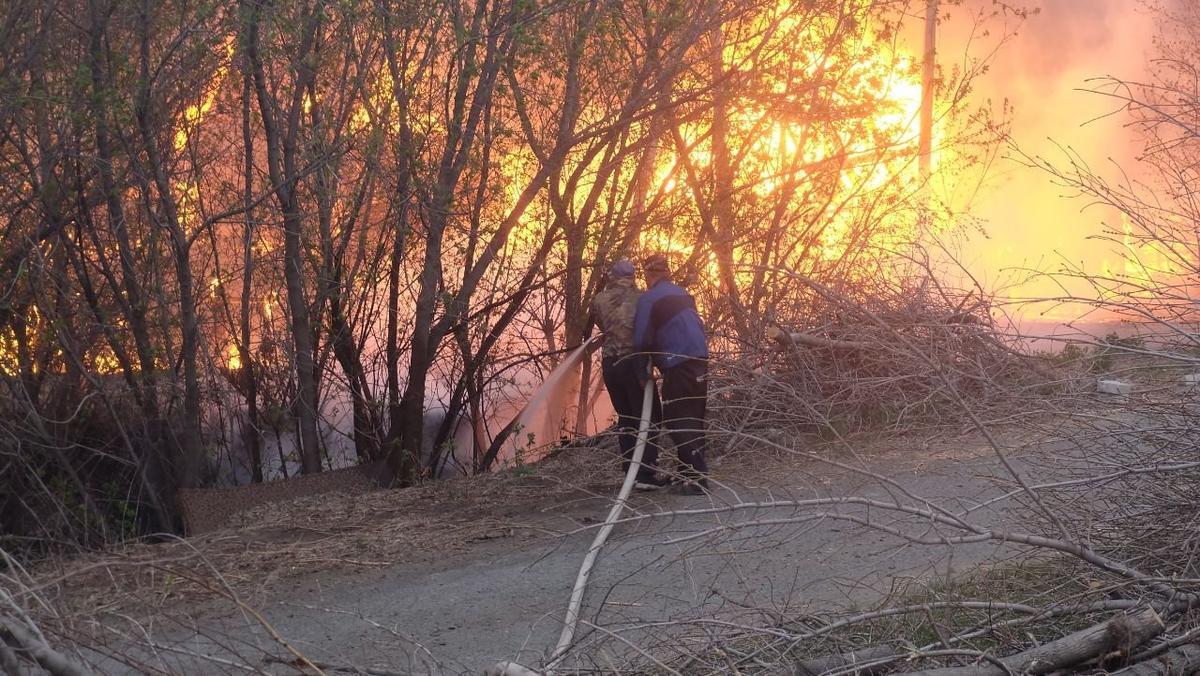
795, 338
844, 663
1119, 635
1180, 661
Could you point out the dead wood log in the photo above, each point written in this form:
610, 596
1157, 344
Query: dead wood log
49, 659
842, 663
795, 338
1179, 661
1116, 636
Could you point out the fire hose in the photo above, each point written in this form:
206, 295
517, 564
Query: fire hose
589, 560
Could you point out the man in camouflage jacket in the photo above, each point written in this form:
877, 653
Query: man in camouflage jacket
624, 372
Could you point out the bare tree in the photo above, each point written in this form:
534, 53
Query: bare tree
281, 112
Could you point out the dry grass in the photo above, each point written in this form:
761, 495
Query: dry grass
264, 549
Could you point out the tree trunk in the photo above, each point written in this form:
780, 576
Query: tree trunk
366, 427
564, 421
189, 465
404, 457
722, 163
133, 304
306, 397
251, 434
192, 444
925, 142
466, 113
583, 408
282, 154
392, 348
404, 187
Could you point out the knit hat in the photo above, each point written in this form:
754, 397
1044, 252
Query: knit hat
622, 268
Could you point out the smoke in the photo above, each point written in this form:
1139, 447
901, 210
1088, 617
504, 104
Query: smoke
1043, 73
1067, 34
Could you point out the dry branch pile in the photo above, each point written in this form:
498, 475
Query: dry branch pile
907, 352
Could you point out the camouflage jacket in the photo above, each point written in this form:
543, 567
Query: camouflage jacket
613, 309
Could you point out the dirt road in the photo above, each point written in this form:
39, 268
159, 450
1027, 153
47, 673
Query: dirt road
677, 578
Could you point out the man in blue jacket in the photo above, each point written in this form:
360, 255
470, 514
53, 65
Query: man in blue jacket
667, 326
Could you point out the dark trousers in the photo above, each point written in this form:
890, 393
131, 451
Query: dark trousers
685, 406
623, 377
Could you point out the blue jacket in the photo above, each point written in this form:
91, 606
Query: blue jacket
667, 325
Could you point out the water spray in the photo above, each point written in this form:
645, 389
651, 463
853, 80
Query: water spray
537, 417
589, 560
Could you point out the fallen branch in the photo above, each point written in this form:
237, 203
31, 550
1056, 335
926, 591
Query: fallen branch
869, 660
46, 657
1120, 634
9, 663
1178, 662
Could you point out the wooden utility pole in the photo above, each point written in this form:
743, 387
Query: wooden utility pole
926, 140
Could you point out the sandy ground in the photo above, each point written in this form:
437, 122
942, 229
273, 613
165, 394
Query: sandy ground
451, 578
